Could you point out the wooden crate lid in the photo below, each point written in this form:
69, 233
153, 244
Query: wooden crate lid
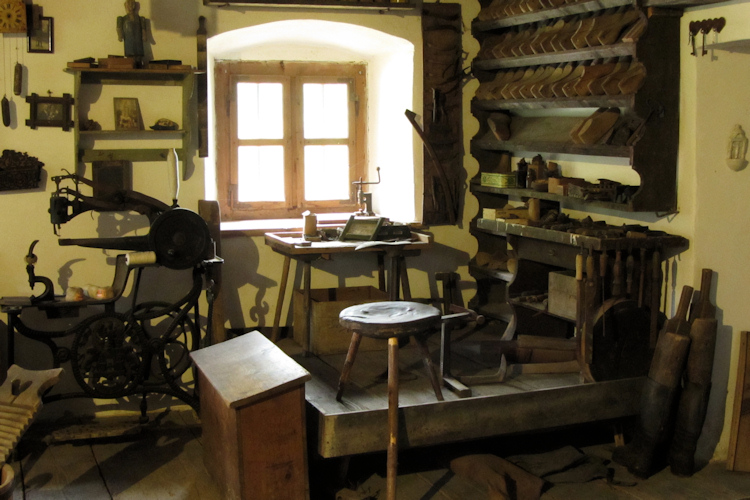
248, 368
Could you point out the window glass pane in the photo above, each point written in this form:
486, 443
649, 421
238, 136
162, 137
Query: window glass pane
327, 173
260, 173
260, 111
326, 110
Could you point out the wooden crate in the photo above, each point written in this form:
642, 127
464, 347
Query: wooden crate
328, 337
561, 298
253, 419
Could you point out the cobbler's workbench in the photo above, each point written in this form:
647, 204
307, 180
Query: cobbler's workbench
292, 246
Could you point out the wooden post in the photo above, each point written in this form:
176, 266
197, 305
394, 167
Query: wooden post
392, 463
280, 298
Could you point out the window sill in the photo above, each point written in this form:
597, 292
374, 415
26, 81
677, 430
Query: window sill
261, 227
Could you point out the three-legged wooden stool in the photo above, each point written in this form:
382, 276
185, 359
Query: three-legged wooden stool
390, 320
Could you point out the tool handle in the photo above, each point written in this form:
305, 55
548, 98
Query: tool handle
617, 275
706, 277
682, 306
629, 267
579, 267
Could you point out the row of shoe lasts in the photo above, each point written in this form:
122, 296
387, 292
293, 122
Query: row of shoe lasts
499, 9
623, 77
562, 35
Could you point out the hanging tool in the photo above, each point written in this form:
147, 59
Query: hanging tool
603, 261
17, 75
642, 283
452, 208
617, 274
666, 286
629, 266
4, 103
655, 290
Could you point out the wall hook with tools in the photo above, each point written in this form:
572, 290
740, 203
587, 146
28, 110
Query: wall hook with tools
704, 27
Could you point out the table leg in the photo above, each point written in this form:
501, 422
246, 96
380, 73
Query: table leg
392, 451
393, 277
381, 272
307, 304
405, 288
280, 299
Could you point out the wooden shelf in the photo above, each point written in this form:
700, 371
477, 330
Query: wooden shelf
543, 15
328, 4
489, 143
621, 101
108, 76
567, 201
130, 134
586, 54
594, 243
89, 155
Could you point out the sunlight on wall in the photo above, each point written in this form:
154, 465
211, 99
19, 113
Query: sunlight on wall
390, 66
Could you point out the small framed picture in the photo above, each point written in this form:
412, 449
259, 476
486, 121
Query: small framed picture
50, 111
42, 38
361, 228
127, 114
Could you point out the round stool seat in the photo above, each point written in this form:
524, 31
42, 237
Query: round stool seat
383, 320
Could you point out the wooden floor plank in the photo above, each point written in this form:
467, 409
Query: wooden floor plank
163, 464
61, 472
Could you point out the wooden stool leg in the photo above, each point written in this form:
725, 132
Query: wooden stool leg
392, 464
347, 369
430, 366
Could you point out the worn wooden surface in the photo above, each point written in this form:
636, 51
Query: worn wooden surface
739, 444
253, 411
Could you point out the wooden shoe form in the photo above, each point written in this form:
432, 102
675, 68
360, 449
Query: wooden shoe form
626, 19
633, 79
501, 92
526, 90
514, 90
561, 41
545, 91
574, 75
579, 37
499, 124
634, 32
610, 84
598, 125
590, 74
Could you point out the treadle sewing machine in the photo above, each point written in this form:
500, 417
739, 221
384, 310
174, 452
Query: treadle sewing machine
116, 354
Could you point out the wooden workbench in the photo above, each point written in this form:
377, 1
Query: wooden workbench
292, 246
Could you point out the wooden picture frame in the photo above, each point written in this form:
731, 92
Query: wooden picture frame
127, 114
42, 38
50, 111
110, 178
361, 228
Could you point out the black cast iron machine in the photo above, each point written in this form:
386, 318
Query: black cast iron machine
142, 349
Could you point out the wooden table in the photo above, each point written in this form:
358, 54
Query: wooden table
292, 246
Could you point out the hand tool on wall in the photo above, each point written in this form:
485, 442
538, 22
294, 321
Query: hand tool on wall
704, 308
617, 274
443, 178
666, 286
655, 290
629, 267
603, 262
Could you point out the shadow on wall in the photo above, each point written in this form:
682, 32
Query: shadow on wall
242, 263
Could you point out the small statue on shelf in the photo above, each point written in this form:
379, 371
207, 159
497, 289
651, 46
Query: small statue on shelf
132, 29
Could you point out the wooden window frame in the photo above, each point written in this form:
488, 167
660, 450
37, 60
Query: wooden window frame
294, 74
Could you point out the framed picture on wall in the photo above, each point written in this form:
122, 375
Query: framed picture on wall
42, 38
50, 111
127, 114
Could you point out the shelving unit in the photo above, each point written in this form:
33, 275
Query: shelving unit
132, 77
653, 157
541, 122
